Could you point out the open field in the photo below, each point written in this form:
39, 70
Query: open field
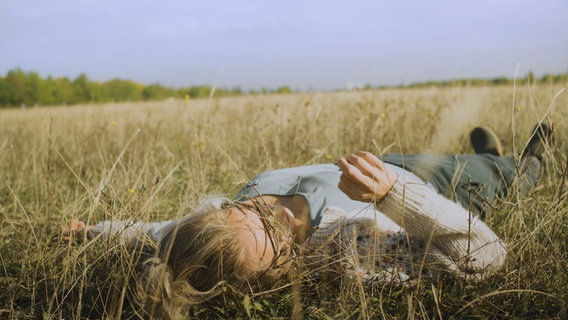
158, 160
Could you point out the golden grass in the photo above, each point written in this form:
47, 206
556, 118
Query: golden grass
157, 160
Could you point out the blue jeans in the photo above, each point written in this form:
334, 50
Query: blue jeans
474, 180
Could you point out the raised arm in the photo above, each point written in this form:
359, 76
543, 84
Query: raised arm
462, 244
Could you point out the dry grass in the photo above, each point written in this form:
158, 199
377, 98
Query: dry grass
157, 160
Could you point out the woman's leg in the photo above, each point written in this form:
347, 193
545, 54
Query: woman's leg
476, 180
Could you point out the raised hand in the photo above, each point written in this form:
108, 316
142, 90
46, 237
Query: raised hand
365, 178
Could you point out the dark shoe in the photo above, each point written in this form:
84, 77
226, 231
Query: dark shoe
542, 134
531, 170
531, 159
484, 140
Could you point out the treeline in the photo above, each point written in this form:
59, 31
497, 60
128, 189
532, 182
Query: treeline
19, 88
529, 78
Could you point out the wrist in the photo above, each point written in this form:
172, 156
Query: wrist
394, 195
393, 180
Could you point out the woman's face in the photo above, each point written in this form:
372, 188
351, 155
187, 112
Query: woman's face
266, 236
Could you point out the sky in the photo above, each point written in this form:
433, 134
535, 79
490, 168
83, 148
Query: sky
303, 44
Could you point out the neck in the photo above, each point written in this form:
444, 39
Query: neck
299, 207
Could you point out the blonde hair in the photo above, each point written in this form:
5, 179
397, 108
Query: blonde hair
194, 260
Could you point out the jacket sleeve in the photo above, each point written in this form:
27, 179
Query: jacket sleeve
129, 232
458, 242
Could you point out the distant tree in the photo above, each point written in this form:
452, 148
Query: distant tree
283, 89
82, 91
547, 78
500, 80
4, 92
156, 92
16, 87
64, 91
46, 92
198, 91
530, 78
32, 88
554, 78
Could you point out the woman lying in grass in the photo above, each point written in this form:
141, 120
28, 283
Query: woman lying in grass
389, 220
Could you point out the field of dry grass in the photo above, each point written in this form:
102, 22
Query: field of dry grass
157, 160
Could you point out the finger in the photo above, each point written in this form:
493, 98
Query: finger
346, 168
363, 165
371, 159
379, 165
357, 183
351, 172
342, 164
